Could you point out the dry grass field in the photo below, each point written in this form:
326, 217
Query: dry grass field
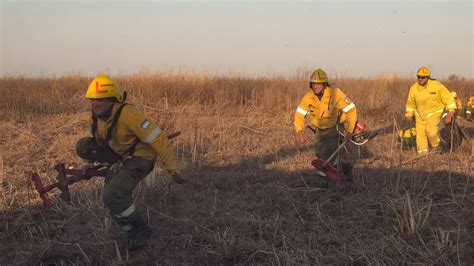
251, 197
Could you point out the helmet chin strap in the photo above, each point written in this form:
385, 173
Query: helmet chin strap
124, 96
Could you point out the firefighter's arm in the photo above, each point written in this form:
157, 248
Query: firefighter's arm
301, 113
410, 105
348, 108
164, 149
447, 99
151, 134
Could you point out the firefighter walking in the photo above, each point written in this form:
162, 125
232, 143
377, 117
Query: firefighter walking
325, 107
427, 99
130, 142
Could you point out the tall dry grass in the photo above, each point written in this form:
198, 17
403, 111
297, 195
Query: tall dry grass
251, 198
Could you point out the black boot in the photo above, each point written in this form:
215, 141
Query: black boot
322, 180
138, 236
346, 169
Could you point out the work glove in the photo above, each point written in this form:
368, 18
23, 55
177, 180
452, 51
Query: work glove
178, 179
86, 166
409, 119
408, 122
449, 117
300, 137
348, 135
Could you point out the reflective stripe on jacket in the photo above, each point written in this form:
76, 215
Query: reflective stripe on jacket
324, 113
131, 125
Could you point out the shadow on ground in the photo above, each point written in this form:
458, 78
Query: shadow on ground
247, 214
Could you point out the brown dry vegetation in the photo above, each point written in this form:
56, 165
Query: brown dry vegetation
251, 197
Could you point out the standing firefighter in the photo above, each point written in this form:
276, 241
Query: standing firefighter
325, 107
125, 138
426, 102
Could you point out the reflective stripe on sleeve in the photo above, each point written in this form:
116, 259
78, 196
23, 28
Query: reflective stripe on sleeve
408, 109
152, 136
128, 211
424, 150
302, 111
349, 107
453, 105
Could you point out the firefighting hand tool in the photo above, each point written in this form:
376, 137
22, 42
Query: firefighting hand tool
359, 139
325, 168
356, 139
75, 175
69, 176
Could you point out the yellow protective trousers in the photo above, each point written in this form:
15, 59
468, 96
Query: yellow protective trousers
427, 131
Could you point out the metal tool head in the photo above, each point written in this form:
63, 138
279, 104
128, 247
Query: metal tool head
41, 190
360, 136
328, 170
69, 176
65, 178
62, 182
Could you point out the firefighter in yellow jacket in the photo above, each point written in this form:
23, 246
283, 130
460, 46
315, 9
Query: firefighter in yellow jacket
325, 107
427, 99
470, 108
122, 135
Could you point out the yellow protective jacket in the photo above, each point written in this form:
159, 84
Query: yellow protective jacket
424, 101
470, 106
133, 124
324, 113
470, 103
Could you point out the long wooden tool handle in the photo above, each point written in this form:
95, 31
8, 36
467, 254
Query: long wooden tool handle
174, 135
336, 151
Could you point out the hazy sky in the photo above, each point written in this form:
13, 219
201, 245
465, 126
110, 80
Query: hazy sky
350, 38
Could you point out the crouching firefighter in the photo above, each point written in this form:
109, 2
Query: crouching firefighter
326, 106
130, 142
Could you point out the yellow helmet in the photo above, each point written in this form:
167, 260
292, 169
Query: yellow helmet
455, 95
319, 76
104, 87
424, 72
